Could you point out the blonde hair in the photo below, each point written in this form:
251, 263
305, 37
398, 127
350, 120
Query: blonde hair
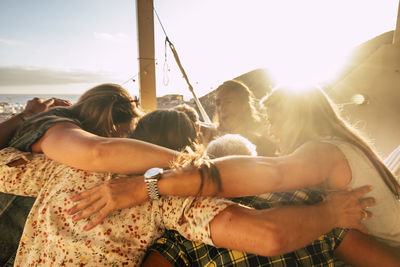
230, 144
311, 115
99, 110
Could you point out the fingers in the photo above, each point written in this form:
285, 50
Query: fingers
97, 219
61, 102
359, 192
85, 201
85, 210
365, 214
48, 102
86, 194
367, 202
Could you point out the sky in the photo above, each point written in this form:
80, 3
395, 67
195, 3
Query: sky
66, 47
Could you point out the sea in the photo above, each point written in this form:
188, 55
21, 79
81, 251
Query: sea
15, 103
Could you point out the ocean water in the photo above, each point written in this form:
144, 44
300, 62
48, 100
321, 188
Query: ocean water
21, 99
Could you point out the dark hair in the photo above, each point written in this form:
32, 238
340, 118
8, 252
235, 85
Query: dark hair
168, 128
243, 92
189, 111
173, 129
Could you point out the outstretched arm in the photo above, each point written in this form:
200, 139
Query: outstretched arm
310, 165
69, 144
281, 230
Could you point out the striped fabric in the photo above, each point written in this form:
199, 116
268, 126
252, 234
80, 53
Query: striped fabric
393, 162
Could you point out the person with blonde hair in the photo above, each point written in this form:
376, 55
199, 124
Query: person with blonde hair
51, 237
320, 150
172, 249
308, 123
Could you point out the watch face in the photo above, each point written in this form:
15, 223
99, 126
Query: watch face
153, 172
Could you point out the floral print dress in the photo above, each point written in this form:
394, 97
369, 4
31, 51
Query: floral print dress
51, 238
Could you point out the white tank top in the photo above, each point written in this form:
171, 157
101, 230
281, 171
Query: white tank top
385, 224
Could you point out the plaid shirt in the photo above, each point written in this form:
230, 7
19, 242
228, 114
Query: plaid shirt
182, 252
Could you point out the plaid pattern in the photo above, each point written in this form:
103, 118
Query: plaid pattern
182, 252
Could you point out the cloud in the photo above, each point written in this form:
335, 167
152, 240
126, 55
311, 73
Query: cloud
111, 37
10, 42
26, 76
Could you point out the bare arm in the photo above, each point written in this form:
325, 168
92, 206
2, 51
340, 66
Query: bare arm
281, 230
69, 144
310, 165
359, 249
156, 259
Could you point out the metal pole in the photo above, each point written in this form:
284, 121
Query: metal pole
396, 36
147, 73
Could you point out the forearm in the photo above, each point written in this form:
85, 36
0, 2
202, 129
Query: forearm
126, 156
240, 176
359, 249
68, 144
270, 232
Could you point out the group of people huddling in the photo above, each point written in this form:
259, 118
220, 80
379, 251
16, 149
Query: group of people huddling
282, 182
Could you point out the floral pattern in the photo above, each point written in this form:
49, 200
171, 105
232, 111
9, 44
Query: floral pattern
51, 238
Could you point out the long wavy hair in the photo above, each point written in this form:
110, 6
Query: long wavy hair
242, 92
311, 115
99, 111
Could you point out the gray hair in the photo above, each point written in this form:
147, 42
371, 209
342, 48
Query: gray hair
230, 144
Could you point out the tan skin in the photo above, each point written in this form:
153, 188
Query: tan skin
75, 147
33, 106
230, 227
229, 107
353, 245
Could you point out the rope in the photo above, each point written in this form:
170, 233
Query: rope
172, 47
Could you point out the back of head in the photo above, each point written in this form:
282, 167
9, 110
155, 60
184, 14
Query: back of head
230, 144
103, 107
168, 128
99, 110
189, 111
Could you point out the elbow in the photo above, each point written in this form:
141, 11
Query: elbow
277, 241
99, 156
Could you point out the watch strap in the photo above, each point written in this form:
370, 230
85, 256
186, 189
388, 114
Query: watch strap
152, 189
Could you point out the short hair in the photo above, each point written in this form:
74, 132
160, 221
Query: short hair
189, 111
230, 144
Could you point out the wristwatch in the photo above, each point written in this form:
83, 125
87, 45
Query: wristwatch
151, 177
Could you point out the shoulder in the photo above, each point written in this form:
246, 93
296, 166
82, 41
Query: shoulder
329, 157
321, 150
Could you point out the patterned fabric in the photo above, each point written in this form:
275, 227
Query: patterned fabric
182, 252
51, 238
15, 209
393, 162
